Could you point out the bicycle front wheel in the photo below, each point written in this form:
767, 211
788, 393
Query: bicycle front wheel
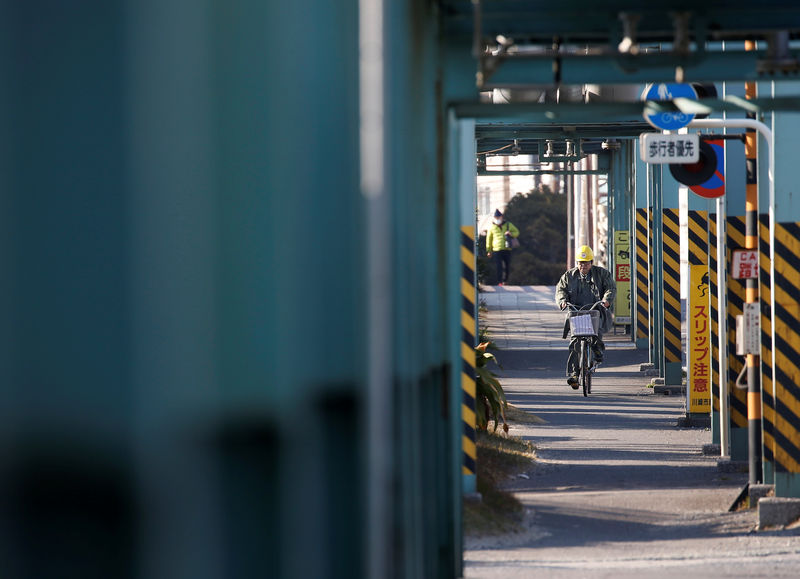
586, 377
589, 371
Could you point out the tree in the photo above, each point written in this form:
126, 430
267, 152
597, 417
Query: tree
542, 221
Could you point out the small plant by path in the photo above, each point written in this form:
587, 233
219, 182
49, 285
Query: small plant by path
490, 399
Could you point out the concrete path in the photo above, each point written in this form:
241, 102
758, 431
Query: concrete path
618, 489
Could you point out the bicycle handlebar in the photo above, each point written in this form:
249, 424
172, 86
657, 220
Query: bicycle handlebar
574, 308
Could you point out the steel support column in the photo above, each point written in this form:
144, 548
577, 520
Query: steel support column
641, 264
620, 202
785, 266
656, 270
671, 305
767, 373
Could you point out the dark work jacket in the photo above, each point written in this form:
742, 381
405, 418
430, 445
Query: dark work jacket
599, 285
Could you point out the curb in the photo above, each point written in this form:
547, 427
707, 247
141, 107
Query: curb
758, 492
727, 465
777, 511
667, 390
694, 421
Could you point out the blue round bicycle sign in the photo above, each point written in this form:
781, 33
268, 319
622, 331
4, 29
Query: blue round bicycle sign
668, 92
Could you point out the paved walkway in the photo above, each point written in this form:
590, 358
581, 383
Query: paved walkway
618, 489
526, 317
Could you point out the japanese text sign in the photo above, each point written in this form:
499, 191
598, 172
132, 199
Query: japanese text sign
659, 148
698, 320
622, 276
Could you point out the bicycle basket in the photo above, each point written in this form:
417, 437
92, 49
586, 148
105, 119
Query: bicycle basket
584, 322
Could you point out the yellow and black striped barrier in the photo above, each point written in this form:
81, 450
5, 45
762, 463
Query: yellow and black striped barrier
713, 288
735, 297
468, 343
767, 393
672, 286
698, 237
787, 348
651, 313
642, 276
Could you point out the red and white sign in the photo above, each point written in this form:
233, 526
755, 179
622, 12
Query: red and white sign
745, 264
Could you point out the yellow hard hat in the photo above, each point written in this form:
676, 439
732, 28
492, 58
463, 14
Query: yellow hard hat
584, 254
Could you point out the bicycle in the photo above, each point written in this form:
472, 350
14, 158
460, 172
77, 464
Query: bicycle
584, 324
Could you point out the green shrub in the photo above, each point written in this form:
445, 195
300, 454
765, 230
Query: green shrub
490, 400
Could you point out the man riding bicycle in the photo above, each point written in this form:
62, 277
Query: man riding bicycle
585, 285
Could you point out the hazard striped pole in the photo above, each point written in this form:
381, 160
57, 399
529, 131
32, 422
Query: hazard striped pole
716, 410
468, 342
786, 316
753, 361
671, 268
767, 381
642, 278
736, 294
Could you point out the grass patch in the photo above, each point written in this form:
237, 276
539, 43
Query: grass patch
499, 458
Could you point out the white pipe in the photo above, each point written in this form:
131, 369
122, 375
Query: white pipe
577, 207
722, 334
745, 124
767, 134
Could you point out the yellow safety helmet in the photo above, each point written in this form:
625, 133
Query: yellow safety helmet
584, 254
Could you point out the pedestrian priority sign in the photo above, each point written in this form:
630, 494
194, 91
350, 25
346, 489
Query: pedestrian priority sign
669, 148
745, 264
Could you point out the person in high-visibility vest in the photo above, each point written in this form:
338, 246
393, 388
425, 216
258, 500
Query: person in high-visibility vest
501, 238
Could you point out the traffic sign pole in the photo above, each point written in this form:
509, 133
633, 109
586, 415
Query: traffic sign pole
752, 361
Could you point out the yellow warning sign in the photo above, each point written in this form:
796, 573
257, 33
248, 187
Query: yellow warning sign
622, 275
698, 322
